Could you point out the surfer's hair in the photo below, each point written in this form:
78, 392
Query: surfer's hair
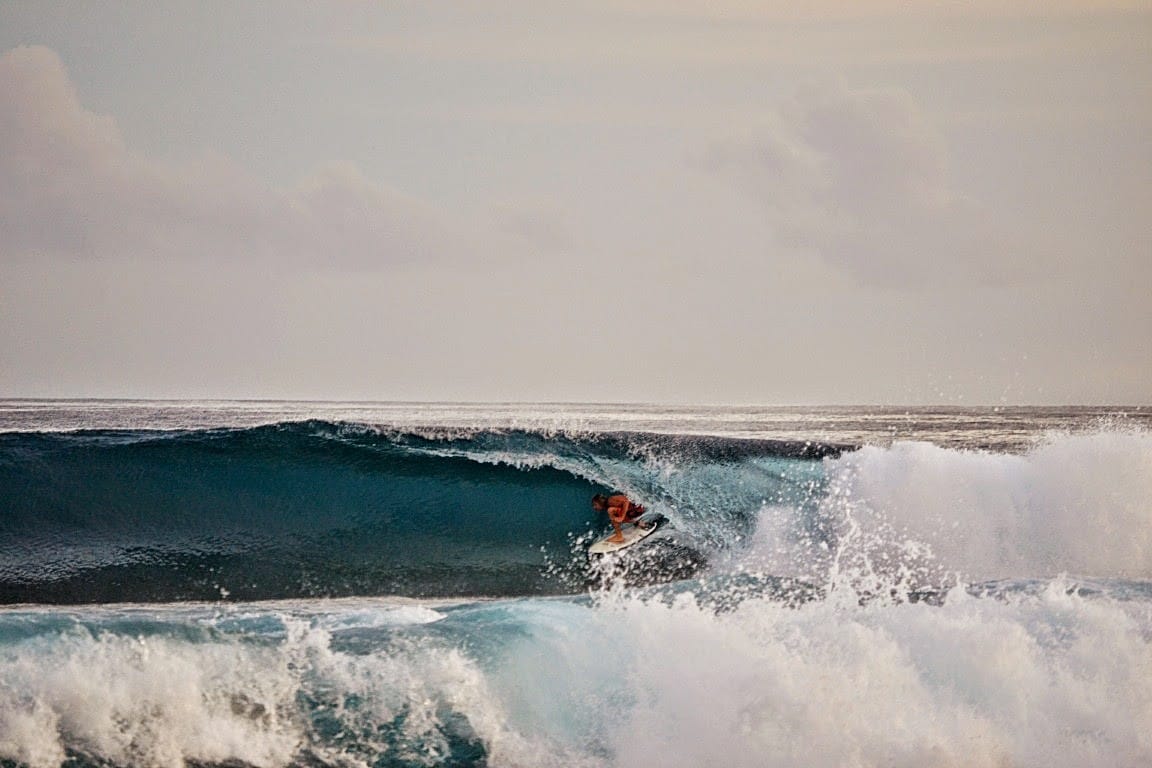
599, 500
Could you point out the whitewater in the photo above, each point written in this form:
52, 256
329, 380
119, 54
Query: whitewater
404, 584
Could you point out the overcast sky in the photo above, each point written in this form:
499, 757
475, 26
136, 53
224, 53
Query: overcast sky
720, 202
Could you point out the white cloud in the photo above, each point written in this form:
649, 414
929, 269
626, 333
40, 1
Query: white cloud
69, 186
863, 179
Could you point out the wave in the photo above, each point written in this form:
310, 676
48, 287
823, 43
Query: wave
328, 509
324, 509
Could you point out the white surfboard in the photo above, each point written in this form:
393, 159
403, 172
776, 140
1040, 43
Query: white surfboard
632, 534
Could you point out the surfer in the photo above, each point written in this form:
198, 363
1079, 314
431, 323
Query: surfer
620, 510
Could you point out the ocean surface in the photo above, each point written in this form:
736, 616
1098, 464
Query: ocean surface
404, 584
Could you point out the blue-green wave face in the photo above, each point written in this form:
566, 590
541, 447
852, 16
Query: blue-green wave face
323, 509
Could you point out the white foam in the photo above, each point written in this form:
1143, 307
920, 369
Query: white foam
1051, 678
167, 700
144, 702
1076, 503
1054, 680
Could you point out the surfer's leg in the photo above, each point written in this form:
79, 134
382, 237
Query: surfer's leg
640, 522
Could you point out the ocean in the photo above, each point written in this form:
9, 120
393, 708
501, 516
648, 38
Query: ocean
407, 584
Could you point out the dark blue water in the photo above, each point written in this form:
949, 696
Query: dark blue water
317, 509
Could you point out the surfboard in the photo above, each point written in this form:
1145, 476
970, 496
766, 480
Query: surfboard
632, 533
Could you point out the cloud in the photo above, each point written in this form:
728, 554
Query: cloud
70, 187
863, 179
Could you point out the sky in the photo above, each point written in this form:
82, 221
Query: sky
865, 202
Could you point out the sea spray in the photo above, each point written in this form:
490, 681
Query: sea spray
1072, 504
